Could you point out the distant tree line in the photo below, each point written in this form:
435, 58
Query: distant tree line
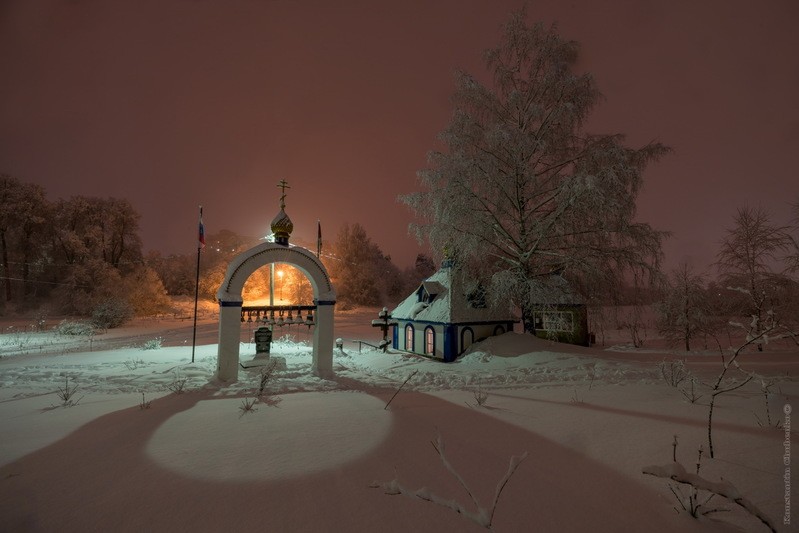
80, 256
83, 256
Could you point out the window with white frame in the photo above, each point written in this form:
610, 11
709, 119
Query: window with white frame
409, 338
429, 341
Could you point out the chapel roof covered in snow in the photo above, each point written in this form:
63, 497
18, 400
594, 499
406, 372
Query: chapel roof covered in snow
447, 297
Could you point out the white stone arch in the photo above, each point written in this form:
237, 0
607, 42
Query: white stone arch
230, 302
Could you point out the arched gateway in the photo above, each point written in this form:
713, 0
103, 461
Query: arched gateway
242, 267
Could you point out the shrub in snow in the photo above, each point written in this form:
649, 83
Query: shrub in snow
576, 398
69, 327
483, 516
691, 390
673, 372
676, 375
178, 384
765, 388
111, 313
152, 344
133, 364
144, 404
67, 394
480, 396
247, 406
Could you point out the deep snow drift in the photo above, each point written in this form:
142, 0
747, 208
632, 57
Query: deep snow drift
317, 455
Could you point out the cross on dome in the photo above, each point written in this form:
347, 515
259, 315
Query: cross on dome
282, 226
283, 184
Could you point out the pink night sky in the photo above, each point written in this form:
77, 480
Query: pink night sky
176, 103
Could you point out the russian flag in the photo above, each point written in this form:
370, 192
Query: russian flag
201, 243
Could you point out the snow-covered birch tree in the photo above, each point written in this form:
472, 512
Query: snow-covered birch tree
750, 263
522, 188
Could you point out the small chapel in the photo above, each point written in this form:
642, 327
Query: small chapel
445, 315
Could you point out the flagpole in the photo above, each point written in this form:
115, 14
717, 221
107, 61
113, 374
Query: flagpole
318, 239
200, 244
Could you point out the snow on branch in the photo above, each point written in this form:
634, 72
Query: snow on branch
482, 516
676, 472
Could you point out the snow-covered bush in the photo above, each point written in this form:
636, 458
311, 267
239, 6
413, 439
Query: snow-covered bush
178, 384
111, 313
152, 344
71, 327
133, 364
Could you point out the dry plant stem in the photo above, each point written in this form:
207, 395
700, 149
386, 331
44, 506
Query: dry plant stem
438, 444
718, 390
400, 388
247, 406
144, 404
480, 396
266, 375
482, 516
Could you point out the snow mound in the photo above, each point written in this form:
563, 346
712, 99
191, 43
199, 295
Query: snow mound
514, 344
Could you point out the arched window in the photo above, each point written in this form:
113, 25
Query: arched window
429, 341
467, 338
409, 338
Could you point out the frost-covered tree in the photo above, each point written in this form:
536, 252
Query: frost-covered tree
177, 272
96, 228
362, 274
522, 188
24, 212
356, 265
750, 262
683, 310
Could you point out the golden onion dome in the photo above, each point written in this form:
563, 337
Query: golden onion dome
282, 226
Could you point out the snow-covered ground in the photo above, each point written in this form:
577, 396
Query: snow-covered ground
132, 454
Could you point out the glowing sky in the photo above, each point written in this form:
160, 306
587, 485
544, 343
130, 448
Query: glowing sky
177, 103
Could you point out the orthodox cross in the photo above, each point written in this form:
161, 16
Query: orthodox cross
283, 184
384, 322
